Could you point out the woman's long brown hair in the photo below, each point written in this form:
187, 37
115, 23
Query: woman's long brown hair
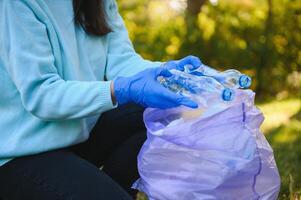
90, 14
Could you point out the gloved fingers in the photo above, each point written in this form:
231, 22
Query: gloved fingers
193, 62
174, 99
162, 71
185, 101
171, 65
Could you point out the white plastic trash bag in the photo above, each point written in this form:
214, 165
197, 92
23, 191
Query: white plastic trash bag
191, 155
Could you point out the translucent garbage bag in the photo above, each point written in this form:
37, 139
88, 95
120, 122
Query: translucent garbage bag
218, 153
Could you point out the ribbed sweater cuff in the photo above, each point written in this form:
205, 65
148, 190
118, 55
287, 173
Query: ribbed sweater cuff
104, 98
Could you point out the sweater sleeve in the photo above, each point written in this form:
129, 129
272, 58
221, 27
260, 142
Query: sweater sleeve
122, 60
28, 58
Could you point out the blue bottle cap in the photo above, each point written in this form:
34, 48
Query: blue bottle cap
228, 94
245, 81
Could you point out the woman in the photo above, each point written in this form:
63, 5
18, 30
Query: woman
62, 64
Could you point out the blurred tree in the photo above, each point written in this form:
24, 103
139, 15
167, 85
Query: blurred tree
261, 38
191, 38
265, 52
194, 6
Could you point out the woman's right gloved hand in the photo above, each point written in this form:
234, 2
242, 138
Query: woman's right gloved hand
144, 89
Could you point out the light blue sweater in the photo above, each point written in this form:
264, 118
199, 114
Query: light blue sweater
52, 87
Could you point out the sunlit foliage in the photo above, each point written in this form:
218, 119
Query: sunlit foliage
254, 36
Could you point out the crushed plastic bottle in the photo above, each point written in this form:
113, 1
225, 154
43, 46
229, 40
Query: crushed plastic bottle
201, 88
230, 78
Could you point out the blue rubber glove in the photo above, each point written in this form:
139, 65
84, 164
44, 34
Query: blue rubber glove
191, 61
144, 89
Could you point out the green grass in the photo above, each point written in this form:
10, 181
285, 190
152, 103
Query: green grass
282, 128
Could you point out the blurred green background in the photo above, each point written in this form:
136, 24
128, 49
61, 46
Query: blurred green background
259, 37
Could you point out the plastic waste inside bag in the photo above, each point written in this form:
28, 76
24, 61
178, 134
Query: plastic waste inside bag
203, 89
230, 78
215, 152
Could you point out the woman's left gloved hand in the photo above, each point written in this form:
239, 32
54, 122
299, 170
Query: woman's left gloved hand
144, 89
192, 61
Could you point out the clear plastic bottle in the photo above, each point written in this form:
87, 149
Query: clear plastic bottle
197, 87
230, 78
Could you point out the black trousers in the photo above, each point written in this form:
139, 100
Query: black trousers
73, 172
